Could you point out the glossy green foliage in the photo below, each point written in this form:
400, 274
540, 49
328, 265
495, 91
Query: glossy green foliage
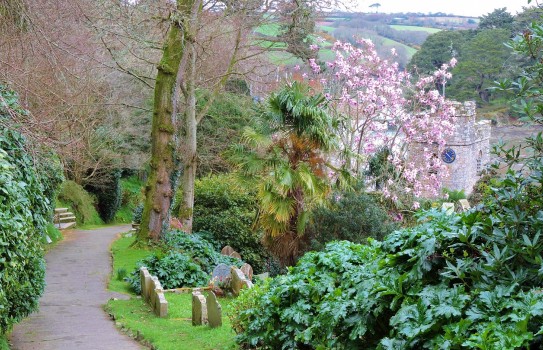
173, 269
227, 212
354, 216
459, 281
25, 208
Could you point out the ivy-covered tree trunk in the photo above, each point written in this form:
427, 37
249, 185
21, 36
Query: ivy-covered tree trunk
161, 183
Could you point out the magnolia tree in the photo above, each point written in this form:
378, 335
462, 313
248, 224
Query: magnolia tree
386, 111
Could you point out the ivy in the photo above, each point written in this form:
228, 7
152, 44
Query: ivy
25, 208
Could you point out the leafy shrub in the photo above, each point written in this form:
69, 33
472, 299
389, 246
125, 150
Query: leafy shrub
227, 212
108, 195
469, 280
199, 250
174, 270
80, 202
454, 195
352, 216
24, 211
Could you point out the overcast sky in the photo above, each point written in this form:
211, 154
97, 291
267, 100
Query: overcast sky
473, 8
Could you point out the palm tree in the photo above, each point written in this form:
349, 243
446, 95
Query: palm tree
285, 157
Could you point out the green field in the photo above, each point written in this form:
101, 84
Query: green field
327, 29
389, 42
415, 28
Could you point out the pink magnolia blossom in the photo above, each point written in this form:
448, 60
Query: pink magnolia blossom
383, 107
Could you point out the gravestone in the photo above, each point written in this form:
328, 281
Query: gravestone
221, 272
263, 276
247, 271
247, 284
154, 285
161, 306
227, 250
214, 311
238, 280
235, 254
145, 280
464, 204
199, 309
448, 207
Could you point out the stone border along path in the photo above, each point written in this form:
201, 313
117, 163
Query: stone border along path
71, 314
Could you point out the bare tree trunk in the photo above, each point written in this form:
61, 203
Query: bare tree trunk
164, 162
189, 168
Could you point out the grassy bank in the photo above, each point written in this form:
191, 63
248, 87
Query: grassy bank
136, 317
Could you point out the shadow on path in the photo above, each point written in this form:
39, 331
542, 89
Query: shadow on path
71, 314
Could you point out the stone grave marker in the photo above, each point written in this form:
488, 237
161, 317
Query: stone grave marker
221, 272
238, 279
145, 280
263, 276
161, 306
464, 204
448, 207
155, 284
247, 271
214, 311
227, 250
199, 309
235, 254
247, 284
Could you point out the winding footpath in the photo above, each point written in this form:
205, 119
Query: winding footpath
71, 314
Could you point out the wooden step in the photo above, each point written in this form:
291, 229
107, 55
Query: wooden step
65, 225
63, 215
66, 219
60, 210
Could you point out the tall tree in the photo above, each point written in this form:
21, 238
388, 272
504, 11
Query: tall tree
285, 157
497, 19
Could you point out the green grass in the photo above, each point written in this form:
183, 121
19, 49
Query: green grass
131, 195
389, 42
4, 345
175, 331
125, 257
415, 28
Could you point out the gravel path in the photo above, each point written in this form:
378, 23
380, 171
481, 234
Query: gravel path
71, 314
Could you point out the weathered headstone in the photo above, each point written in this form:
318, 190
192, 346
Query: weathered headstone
199, 309
464, 204
145, 280
214, 311
247, 284
227, 250
155, 284
221, 273
237, 282
263, 276
247, 271
235, 254
161, 306
448, 207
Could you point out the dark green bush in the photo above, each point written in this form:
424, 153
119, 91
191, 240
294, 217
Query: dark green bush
108, 195
80, 203
24, 212
173, 269
351, 216
199, 250
459, 281
227, 211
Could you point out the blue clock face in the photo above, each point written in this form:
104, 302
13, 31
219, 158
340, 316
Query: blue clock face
448, 155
